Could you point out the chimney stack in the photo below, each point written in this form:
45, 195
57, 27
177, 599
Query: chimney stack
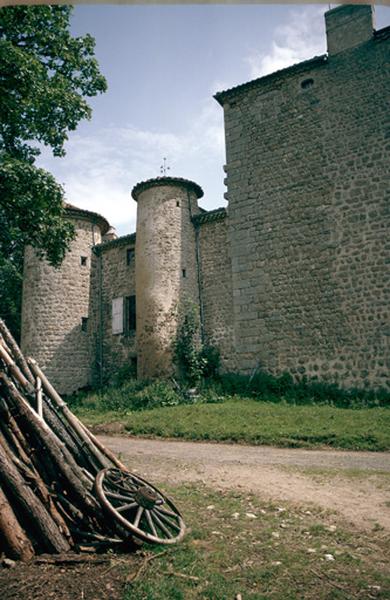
348, 26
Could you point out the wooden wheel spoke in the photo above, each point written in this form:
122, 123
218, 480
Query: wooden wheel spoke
166, 519
167, 512
118, 496
138, 516
126, 506
150, 522
162, 526
130, 488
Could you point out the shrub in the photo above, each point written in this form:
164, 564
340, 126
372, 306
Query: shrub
193, 359
265, 386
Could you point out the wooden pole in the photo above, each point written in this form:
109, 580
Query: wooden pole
72, 419
55, 450
14, 370
38, 396
34, 512
17, 543
15, 350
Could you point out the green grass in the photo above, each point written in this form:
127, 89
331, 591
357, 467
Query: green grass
278, 551
255, 422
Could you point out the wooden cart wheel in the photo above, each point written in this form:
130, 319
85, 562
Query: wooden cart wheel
139, 507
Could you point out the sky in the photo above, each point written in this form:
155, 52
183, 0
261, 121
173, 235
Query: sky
163, 64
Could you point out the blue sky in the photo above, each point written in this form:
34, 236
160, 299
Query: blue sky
163, 63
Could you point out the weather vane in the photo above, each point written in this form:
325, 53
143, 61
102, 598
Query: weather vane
164, 168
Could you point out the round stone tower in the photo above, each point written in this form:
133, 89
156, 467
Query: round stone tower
55, 306
166, 267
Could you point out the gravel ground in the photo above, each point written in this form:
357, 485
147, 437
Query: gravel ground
354, 484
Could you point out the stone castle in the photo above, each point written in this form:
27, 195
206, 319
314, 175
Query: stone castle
290, 277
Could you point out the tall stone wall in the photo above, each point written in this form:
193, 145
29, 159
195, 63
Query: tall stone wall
216, 284
54, 303
113, 277
307, 176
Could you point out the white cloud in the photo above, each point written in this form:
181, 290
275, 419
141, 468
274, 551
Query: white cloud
300, 39
100, 169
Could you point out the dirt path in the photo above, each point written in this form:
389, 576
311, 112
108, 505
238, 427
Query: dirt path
354, 484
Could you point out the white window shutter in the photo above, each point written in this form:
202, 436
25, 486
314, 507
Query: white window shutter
117, 315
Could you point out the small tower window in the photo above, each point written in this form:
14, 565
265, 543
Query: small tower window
83, 261
84, 323
184, 272
130, 253
307, 83
178, 203
130, 314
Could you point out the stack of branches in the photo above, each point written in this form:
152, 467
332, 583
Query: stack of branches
48, 466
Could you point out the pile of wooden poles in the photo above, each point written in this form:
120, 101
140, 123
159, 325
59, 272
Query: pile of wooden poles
47, 456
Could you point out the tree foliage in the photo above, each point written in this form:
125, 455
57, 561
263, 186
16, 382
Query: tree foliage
45, 75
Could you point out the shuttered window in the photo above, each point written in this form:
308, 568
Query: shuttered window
117, 315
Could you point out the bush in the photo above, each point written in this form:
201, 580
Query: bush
265, 386
193, 359
133, 395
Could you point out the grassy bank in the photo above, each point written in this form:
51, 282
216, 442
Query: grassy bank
254, 422
238, 544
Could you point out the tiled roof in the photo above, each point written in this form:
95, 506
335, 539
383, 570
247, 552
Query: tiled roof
75, 211
212, 215
120, 241
302, 66
159, 181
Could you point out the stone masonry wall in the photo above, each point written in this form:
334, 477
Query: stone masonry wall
307, 168
166, 271
216, 286
111, 278
54, 303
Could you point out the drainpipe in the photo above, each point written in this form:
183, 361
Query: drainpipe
100, 314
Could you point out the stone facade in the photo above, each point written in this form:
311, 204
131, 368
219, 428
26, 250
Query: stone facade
291, 277
307, 176
55, 324
113, 277
216, 284
167, 276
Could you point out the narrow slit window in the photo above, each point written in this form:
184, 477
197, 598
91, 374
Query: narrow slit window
83, 261
130, 317
307, 83
130, 253
184, 272
84, 323
178, 203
